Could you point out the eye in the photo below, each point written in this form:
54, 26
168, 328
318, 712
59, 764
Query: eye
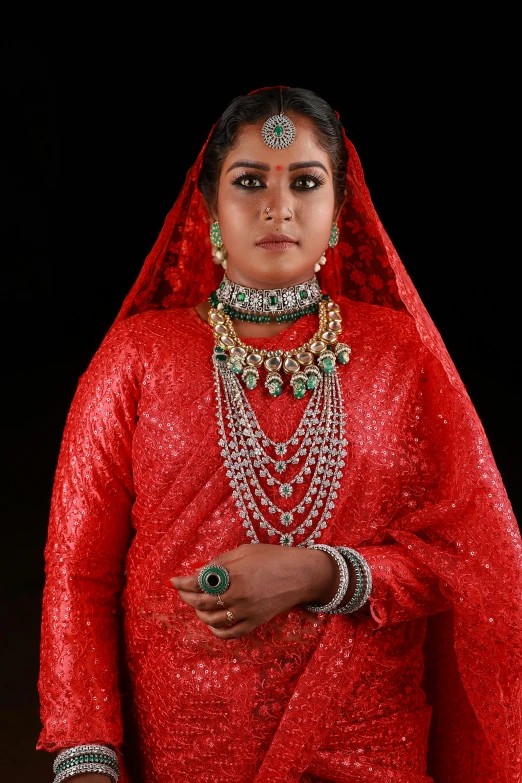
249, 181
306, 182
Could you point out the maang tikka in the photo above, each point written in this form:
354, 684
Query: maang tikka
278, 132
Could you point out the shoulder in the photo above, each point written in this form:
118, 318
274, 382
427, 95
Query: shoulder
157, 338
361, 318
160, 326
133, 343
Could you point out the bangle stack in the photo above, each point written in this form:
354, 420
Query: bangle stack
363, 577
86, 758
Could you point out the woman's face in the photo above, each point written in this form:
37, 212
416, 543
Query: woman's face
278, 247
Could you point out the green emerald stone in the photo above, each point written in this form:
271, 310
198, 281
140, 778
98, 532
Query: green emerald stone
299, 392
303, 294
240, 297
273, 300
275, 389
311, 381
343, 357
250, 381
222, 285
278, 131
328, 366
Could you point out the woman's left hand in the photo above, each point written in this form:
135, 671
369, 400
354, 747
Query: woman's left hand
265, 580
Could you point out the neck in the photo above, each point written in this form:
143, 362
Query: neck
245, 329
263, 285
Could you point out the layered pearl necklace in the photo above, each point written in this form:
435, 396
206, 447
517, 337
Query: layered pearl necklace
319, 438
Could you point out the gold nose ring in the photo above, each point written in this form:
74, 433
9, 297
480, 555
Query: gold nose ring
267, 210
291, 213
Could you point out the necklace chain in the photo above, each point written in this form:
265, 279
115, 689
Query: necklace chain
241, 458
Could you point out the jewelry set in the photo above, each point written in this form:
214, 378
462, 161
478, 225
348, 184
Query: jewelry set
249, 454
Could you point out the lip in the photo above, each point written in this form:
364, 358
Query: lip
276, 242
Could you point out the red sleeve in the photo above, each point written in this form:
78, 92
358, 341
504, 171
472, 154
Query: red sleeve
403, 588
88, 537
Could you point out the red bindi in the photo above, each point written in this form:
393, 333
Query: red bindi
279, 168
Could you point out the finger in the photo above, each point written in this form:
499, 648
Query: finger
201, 601
187, 583
233, 632
215, 619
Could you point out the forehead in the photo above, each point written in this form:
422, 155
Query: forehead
250, 146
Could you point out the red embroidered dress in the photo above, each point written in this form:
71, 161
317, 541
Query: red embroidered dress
141, 494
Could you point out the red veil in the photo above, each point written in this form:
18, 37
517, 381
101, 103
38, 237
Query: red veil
469, 540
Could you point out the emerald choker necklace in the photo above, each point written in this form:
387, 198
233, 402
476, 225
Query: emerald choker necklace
264, 304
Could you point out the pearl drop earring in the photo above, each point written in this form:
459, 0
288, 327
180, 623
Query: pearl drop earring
320, 263
219, 253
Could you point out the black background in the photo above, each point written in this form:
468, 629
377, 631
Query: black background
99, 132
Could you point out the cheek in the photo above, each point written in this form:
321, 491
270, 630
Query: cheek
317, 218
236, 216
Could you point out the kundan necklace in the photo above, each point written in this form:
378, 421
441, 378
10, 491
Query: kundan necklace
319, 438
299, 363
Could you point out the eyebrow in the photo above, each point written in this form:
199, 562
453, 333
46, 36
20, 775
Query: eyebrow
248, 164
255, 164
307, 164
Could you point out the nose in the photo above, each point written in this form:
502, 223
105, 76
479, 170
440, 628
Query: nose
278, 213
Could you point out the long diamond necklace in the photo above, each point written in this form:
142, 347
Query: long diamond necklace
319, 437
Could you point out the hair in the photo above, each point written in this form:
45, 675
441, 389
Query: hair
250, 109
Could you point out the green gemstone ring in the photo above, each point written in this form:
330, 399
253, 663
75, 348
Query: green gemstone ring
214, 579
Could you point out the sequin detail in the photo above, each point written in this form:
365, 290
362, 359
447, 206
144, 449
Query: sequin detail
141, 494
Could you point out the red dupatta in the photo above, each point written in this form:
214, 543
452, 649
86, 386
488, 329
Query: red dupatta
473, 653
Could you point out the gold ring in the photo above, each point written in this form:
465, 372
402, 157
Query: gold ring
230, 617
220, 601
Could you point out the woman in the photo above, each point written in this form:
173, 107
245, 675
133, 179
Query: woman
180, 452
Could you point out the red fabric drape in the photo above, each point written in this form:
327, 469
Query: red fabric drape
436, 526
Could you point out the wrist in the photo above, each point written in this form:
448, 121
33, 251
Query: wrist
320, 576
322, 582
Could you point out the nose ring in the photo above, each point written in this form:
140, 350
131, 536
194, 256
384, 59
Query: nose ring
267, 210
